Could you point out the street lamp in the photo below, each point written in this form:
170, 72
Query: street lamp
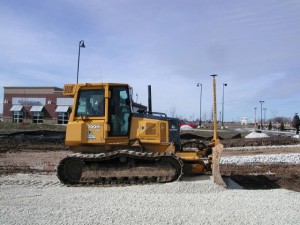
223, 107
81, 45
261, 125
265, 109
255, 118
200, 85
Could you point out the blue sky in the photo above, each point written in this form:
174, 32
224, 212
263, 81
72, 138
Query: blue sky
172, 45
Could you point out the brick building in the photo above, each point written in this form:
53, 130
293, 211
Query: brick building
36, 105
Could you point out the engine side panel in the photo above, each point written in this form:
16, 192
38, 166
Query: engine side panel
149, 130
85, 132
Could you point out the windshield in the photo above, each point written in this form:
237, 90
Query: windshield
90, 103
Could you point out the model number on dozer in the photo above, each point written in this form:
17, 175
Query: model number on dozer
93, 126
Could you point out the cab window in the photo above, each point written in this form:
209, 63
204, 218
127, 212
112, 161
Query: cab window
90, 103
119, 111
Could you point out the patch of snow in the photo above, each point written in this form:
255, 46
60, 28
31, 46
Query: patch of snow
257, 135
186, 127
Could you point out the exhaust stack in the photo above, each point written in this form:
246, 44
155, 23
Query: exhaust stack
149, 100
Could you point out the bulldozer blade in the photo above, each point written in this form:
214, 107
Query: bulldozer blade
217, 152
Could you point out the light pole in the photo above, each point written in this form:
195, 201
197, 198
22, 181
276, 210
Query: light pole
265, 109
261, 125
223, 106
255, 118
81, 45
200, 85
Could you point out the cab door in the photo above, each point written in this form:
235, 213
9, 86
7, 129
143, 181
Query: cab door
119, 111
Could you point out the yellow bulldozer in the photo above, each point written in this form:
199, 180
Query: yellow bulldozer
114, 143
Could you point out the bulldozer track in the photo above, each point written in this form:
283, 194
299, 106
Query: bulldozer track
88, 169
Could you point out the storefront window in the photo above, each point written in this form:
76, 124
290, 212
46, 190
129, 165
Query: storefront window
62, 118
18, 116
37, 117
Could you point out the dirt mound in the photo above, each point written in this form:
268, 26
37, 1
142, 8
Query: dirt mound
37, 140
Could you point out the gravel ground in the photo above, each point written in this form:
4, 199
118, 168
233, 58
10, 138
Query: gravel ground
41, 199
293, 158
284, 154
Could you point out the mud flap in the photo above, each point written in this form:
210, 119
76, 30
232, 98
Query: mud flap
217, 152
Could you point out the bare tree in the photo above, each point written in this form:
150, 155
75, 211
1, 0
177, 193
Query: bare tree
279, 119
204, 116
173, 111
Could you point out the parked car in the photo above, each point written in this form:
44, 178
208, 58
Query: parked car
193, 125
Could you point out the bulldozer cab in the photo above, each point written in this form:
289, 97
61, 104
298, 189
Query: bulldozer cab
91, 103
100, 114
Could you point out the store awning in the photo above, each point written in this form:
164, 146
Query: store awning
16, 108
37, 108
62, 108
